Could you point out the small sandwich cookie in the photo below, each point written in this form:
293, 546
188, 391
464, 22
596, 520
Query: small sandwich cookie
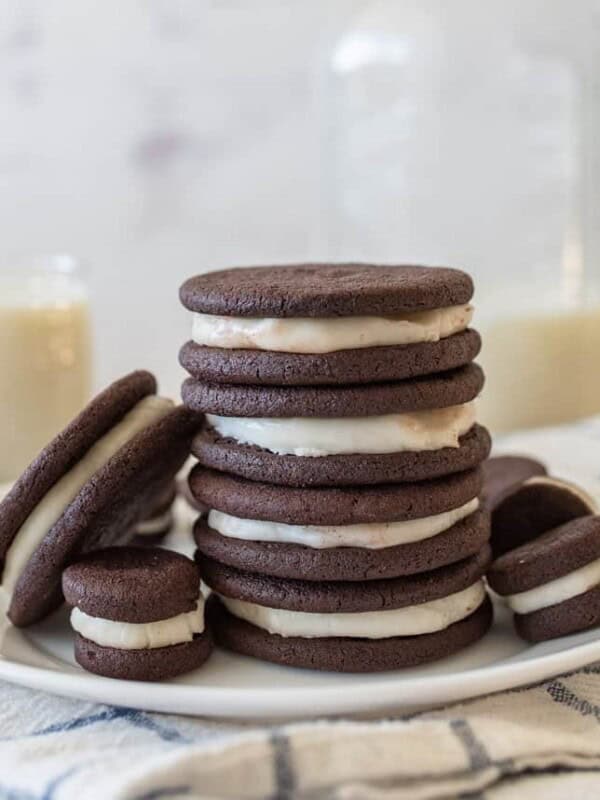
137, 613
160, 519
349, 627
343, 435
358, 534
87, 489
553, 582
326, 324
529, 509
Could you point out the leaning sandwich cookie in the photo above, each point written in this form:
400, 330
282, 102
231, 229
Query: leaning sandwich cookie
87, 489
137, 613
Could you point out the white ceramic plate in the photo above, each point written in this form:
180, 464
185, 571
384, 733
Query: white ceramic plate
231, 686
237, 687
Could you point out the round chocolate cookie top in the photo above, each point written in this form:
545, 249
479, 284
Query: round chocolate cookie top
325, 290
332, 505
552, 555
501, 474
132, 584
325, 597
530, 509
419, 394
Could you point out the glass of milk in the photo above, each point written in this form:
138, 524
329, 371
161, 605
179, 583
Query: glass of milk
45, 355
466, 133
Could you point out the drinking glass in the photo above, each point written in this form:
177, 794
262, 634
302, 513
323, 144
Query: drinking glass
45, 355
466, 134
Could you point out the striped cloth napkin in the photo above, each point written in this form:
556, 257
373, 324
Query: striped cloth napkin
539, 742
542, 742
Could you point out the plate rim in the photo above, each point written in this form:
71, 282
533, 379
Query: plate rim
389, 693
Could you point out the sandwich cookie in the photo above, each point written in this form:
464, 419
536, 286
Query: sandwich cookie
358, 552
552, 584
87, 489
529, 509
313, 324
160, 519
305, 436
339, 534
349, 627
502, 474
137, 613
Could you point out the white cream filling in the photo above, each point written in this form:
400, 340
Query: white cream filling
316, 436
557, 591
139, 636
327, 335
371, 535
430, 617
55, 502
154, 525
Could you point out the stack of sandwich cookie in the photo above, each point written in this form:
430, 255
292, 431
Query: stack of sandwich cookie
340, 442
137, 613
89, 488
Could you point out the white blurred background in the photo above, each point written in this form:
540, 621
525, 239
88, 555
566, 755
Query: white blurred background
162, 138
155, 140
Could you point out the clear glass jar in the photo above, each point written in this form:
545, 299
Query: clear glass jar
45, 355
466, 133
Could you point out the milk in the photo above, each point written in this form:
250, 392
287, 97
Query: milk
45, 362
541, 368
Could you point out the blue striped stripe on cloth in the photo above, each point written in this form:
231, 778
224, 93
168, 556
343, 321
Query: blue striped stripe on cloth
540, 742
